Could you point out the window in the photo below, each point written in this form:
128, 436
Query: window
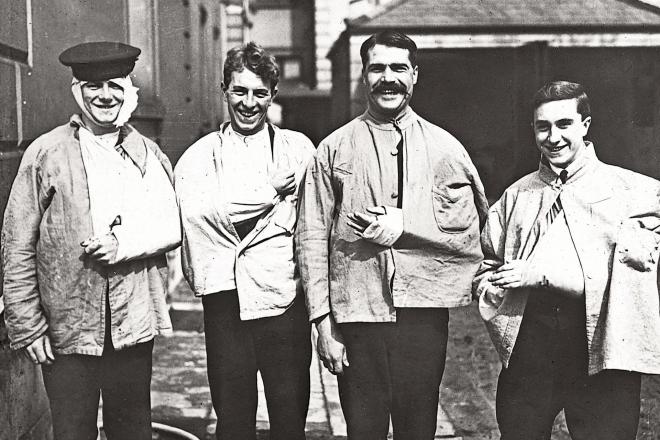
291, 67
14, 22
142, 29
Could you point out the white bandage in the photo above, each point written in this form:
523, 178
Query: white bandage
128, 106
387, 228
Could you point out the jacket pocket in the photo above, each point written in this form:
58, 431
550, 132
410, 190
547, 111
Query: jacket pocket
453, 207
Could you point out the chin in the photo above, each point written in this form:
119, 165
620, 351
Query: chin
106, 123
560, 163
104, 119
243, 128
390, 105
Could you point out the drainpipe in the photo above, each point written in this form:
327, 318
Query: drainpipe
247, 24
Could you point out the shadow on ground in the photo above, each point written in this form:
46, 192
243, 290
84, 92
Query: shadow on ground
470, 383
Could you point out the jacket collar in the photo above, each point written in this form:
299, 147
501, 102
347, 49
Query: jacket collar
402, 122
585, 161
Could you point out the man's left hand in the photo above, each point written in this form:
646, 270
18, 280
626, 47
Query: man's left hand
360, 221
102, 248
515, 274
379, 224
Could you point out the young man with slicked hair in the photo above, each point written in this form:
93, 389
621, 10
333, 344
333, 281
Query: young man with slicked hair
568, 286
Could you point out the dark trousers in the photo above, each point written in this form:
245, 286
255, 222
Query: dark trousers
548, 372
75, 382
279, 347
395, 369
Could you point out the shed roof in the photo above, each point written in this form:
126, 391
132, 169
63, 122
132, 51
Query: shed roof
442, 15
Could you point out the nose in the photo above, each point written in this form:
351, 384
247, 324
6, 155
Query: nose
105, 92
388, 75
249, 100
554, 136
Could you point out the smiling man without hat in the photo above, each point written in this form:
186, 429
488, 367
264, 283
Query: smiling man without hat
89, 218
237, 189
568, 286
387, 241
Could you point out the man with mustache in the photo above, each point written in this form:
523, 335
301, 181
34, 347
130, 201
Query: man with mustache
90, 216
568, 286
237, 188
387, 241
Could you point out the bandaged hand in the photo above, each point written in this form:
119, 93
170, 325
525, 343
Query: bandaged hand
638, 247
380, 224
494, 296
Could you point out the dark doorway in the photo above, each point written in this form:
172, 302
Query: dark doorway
483, 97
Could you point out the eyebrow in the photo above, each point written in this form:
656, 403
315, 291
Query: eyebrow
559, 121
392, 66
260, 89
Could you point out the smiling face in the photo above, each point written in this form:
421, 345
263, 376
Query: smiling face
389, 77
248, 97
560, 131
102, 100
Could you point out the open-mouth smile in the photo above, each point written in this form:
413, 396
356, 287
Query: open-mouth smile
247, 113
105, 106
556, 149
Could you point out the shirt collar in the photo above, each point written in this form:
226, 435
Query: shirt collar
77, 122
260, 136
128, 139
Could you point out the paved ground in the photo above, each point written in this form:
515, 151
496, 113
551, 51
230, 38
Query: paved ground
181, 397
470, 380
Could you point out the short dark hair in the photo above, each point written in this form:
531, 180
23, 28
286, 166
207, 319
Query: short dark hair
560, 90
254, 58
392, 39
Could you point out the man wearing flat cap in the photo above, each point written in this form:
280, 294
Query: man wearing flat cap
89, 219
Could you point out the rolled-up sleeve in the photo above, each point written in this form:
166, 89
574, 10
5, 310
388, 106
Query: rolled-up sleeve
27, 201
316, 207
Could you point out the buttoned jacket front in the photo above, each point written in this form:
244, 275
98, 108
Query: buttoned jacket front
430, 265
599, 201
261, 266
49, 284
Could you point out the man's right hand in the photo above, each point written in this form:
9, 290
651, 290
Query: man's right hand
284, 182
330, 345
40, 351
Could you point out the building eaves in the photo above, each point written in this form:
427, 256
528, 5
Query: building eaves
439, 16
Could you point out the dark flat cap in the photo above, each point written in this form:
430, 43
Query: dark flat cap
101, 60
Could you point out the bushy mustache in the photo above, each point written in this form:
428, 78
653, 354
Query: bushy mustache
389, 87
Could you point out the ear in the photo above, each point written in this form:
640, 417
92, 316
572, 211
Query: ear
586, 123
224, 88
273, 93
415, 74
